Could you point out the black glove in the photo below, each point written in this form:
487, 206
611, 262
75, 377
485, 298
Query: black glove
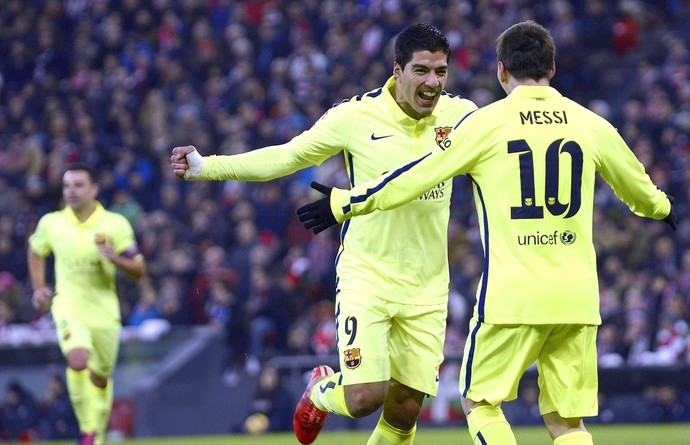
671, 219
317, 215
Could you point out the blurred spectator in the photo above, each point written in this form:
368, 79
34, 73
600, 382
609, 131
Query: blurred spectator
324, 331
266, 317
666, 405
219, 305
58, 421
172, 304
11, 301
21, 413
213, 270
12, 264
272, 400
146, 308
7, 314
127, 206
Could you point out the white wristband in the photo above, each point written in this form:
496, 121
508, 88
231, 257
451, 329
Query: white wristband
196, 164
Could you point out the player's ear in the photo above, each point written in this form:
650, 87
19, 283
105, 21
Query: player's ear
397, 70
552, 72
501, 72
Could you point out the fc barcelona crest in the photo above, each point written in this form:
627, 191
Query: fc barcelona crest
442, 136
352, 358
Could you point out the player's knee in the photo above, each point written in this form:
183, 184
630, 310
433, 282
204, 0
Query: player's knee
403, 417
77, 359
409, 413
402, 405
364, 400
559, 426
364, 405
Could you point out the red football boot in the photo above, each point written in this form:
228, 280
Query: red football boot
308, 419
86, 439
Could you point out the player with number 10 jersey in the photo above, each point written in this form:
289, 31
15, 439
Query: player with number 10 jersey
536, 221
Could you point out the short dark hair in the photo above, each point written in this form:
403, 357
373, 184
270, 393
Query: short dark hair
419, 37
527, 50
81, 166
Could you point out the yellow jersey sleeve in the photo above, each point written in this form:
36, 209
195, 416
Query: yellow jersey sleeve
40, 239
627, 177
389, 254
327, 137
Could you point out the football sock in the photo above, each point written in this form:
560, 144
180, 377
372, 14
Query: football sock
101, 402
328, 394
488, 426
576, 438
385, 434
77, 384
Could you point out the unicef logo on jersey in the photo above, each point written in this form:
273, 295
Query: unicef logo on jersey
568, 237
547, 239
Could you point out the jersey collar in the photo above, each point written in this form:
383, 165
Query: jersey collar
535, 92
96, 216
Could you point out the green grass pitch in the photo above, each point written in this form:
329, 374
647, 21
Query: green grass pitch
669, 434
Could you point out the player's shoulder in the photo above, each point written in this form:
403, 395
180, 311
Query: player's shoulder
354, 108
360, 100
591, 115
55, 215
116, 219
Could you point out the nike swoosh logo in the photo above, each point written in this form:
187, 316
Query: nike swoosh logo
376, 138
437, 378
328, 385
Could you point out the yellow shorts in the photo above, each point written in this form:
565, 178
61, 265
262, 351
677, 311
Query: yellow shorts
496, 357
102, 342
379, 340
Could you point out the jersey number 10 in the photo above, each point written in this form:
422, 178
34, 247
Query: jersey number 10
529, 208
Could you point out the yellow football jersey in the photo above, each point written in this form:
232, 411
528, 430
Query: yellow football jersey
532, 158
84, 279
400, 255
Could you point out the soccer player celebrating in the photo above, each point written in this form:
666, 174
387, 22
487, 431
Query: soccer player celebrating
89, 244
532, 157
392, 288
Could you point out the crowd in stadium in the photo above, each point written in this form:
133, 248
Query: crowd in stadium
117, 84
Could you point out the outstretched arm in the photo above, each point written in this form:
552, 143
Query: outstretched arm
326, 138
258, 165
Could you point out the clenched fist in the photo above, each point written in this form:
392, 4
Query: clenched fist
186, 162
41, 299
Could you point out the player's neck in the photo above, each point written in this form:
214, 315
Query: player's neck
85, 211
404, 106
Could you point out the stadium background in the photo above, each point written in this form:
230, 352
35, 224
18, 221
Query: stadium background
236, 285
